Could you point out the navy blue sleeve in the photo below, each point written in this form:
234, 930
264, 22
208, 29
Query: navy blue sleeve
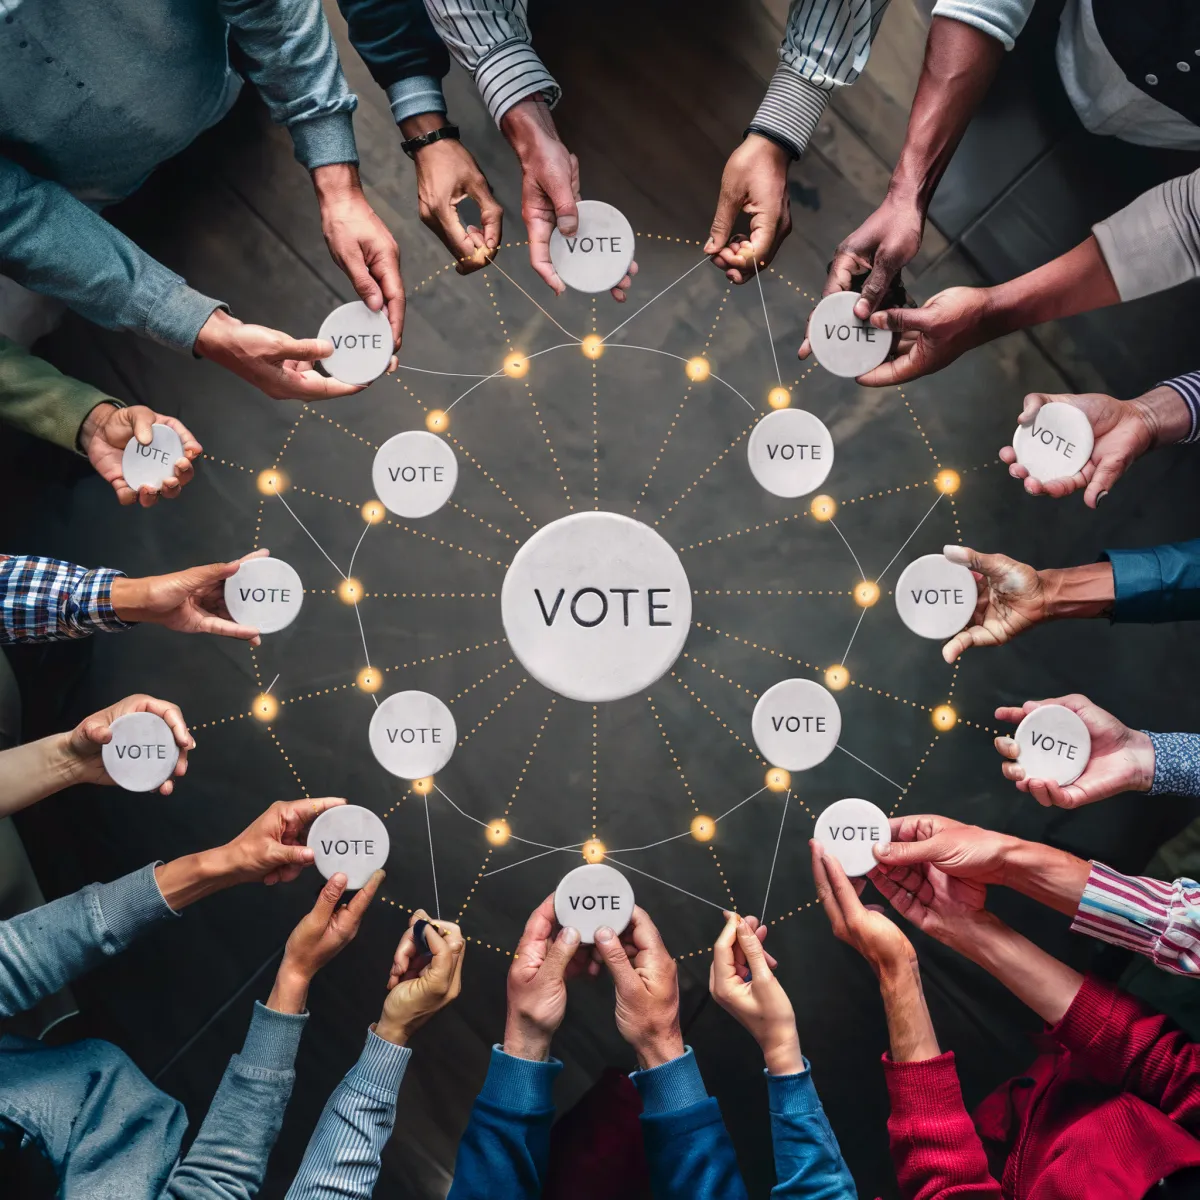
808, 1160
1159, 583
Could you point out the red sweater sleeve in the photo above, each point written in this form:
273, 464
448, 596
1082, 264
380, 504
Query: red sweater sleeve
1129, 1046
935, 1149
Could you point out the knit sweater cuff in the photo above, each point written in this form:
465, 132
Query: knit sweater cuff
672, 1086
792, 1095
520, 1084
131, 904
415, 95
925, 1091
322, 141
272, 1039
1094, 1008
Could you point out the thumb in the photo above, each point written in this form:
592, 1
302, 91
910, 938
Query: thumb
143, 425
903, 854
327, 901
558, 190
905, 320
561, 951
1033, 402
304, 349
1102, 482
966, 557
441, 969
722, 223
752, 949
615, 958
288, 855
876, 286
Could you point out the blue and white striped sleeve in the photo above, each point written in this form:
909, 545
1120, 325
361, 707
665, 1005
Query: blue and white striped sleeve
491, 40
1188, 387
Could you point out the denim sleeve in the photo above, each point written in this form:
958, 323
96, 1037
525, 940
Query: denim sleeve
1159, 583
228, 1159
54, 244
293, 62
808, 1160
44, 949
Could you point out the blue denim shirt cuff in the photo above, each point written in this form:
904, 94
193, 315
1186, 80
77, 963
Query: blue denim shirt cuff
176, 315
674, 1085
380, 1069
129, 904
520, 1084
417, 94
793, 1095
1137, 584
273, 1038
320, 141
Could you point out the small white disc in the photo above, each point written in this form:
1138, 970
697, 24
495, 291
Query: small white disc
412, 734
1056, 443
350, 839
843, 344
796, 724
414, 473
362, 342
598, 256
592, 896
1054, 744
142, 754
935, 597
148, 466
849, 829
790, 452
266, 593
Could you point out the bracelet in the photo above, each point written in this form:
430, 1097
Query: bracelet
427, 139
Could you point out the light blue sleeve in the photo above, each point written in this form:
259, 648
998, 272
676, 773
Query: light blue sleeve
808, 1160
1001, 19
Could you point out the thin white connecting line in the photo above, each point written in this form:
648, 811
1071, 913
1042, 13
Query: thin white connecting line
311, 538
911, 536
846, 652
680, 358
871, 768
775, 858
427, 371
666, 883
675, 837
497, 374
862, 574
531, 300
350, 568
653, 298
767, 320
513, 836
273, 683
521, 862
437, 904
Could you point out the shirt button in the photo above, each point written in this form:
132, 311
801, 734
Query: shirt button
1151, 79
1182, 66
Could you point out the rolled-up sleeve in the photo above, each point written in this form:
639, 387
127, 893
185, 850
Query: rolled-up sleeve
1000, 19
1157, 583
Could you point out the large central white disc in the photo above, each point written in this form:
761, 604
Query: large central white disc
596, 606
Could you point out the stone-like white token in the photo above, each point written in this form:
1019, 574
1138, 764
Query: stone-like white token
413, 734
362, 342
414, 473
142, 754
849, 829
1054, 744
598, 256
596, 606
935, 597
591, 897
350, 839
790, 452
796, 724
1056, 443
843, 344
148, 466
266, 593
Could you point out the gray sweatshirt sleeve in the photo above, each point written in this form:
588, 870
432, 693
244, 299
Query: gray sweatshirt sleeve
1154, 243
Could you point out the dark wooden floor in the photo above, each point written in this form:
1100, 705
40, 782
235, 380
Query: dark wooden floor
656, 95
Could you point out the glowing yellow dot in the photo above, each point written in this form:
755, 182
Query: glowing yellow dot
350, 591
866, 593
944, 717
703, 828
516, 366
373, 512
369, 679
698, 369
271, 482
265, 707
837, 677
437, 421
779, 397
594, 851
947, 482
592, 345
778, 780
423, 786
498, 832
823, 507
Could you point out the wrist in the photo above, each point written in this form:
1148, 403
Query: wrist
1141, 749
1077, 591
66, 765
336, 181
185, 880
396, 1032
290, 992
422, 123
778, 155
522, 1040
93, 423
215, 332
128, 598
1164, 416
526, 124
660, 1049
782, 1056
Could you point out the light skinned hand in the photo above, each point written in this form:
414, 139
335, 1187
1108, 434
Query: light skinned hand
329, 928
758, 1003
447, 174
420, 985
964, 851
1122, 759
84, 742
272, 848
105, 433
189, 601
754, 182
647, 987
946, 907
1011, 600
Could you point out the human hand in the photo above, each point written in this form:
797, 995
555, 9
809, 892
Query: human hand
886, 242
1011, 600
83, 744
321, 935
190, 601
947, 907
272, 848
964, 851
105, 433
360, 243
421, 985
1122, 759
754, 182
758, 1003
647, 987
278, 365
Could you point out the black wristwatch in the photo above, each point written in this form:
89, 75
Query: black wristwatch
427, 139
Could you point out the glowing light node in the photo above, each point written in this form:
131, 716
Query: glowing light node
516, 365
437, 421
944, 717
592, 346
373, 512
823, 508
423, 786
779, 397
703, 828
498, 832
265, 707
947, 482
778, 780
369, 679
350, 591
272, 481
698, 369
594, 850
837, 677
866, 593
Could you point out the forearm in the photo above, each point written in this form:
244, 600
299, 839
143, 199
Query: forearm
910, 1027
1051, 877
185, 880
1086, 591
35, 770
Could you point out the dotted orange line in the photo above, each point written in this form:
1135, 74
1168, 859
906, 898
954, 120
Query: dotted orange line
724, 724
703, 474
491, 713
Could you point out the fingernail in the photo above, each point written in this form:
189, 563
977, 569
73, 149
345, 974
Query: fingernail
883, 851
570, 935
604, 935
956, 554
1101, 496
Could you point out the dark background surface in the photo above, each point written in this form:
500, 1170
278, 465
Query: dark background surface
656, 96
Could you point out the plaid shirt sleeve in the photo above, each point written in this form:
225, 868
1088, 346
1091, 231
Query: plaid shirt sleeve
45, 600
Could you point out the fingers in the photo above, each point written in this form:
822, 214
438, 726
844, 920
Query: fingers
1033, 402
842, 270
752, 949
191, 447
1006, 747
883, 271
728, 206
327, 900
1104, 480
143, 424
220, 627
262, 553
445, 950
724, 964
361, 902
903, 854
619, 292
615, 958
302, 383
846, 893
561, 952
825, 892
304, 349
491, 214
354, 263
384, 265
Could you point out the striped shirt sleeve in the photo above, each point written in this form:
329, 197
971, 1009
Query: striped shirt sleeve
1188, 387
826, 45
343, 1156
1148, 916
491, 39
46, 600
